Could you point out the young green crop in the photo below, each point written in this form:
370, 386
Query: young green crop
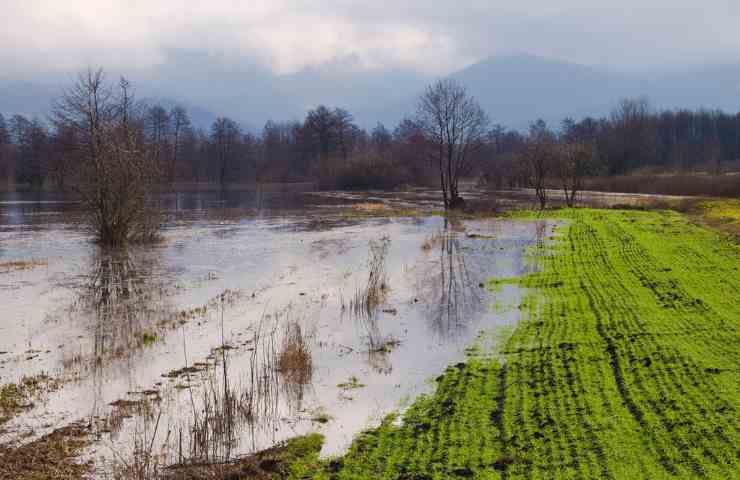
624, 366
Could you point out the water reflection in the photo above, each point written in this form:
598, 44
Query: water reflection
123, 294
121, 307
448, 290
120, 327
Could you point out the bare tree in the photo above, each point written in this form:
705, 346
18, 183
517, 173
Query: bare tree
345, 132
575, 161
158, 126
117, 170
381, 139
6, 170
455, 126
225, 136
180, 123
633, 141
320, 125
539, 158
32, 150
4, 133
65, 158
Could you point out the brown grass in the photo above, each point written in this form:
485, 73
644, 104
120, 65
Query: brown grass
21, 265
294, 360
371, 295
124, 409
16, 397
691, 184
370, 206
52, 457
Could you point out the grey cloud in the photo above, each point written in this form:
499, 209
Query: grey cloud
425, 35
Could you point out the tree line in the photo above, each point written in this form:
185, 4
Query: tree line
328, 147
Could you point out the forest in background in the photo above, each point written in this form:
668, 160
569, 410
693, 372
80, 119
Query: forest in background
328, 148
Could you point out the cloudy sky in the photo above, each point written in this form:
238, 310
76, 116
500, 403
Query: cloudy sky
429, 36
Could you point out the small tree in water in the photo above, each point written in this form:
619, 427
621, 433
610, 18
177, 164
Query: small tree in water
117, 170
455, 126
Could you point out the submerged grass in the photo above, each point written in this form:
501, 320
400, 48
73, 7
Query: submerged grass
351, 384
16, 397
53, 456
368, 297
624, 366
296, 458
21, 265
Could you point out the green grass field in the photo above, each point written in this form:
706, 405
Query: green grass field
625, 366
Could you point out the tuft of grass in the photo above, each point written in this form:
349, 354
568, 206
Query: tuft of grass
294, 360
320, 416
351, 384
384, 345
373, 294
148, 338
16, 397
21, 265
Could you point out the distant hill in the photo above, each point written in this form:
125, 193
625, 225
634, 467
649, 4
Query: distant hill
26, 98
709, 86
518, 89
513, 89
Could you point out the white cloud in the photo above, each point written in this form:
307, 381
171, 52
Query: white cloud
427, 35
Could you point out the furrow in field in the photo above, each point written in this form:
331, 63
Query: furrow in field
623, 366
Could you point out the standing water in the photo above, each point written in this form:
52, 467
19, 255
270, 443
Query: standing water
255, 319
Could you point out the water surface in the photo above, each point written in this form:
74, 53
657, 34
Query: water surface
235, 269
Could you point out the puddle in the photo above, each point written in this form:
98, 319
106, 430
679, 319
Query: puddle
136, 334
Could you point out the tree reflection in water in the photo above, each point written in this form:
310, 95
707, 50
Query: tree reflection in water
448, 289
125, 301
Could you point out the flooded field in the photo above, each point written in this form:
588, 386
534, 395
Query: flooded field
256, 318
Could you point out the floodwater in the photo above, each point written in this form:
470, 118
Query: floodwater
242, 270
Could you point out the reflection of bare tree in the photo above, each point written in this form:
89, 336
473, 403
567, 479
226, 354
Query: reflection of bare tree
121, 295
448, 289
541, 234
376, 343
379, 361
531, 263
119, 304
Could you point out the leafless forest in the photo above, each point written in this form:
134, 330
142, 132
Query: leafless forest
329, 148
